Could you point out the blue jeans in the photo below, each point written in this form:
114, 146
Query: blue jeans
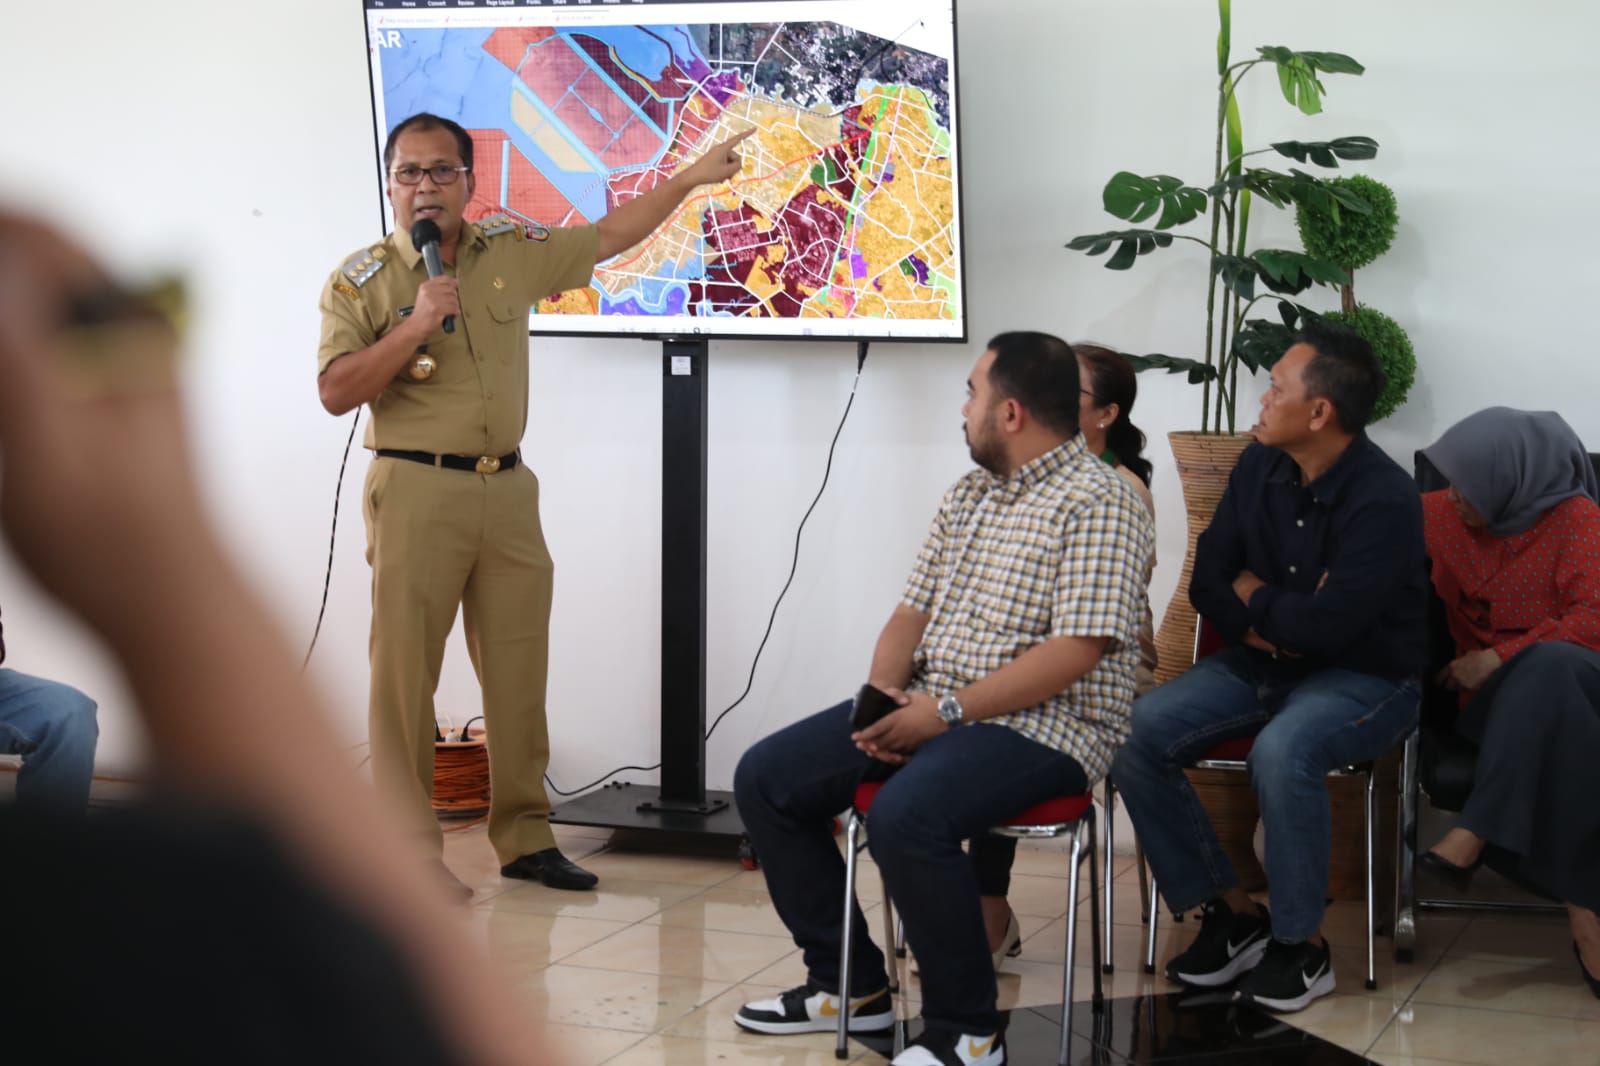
52, 726
957, 785
1304, 727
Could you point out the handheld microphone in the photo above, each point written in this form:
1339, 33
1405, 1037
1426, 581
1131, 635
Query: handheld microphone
425, 236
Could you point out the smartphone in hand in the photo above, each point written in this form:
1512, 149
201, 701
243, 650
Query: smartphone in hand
871, 704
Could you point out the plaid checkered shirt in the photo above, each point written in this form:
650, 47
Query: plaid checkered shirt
1058, 549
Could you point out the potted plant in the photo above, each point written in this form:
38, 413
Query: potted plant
1353, 241
1238, 277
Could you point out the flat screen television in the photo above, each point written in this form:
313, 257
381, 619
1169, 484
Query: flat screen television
845, 221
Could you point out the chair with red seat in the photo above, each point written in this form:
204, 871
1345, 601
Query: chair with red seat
1234, 755
1056, 817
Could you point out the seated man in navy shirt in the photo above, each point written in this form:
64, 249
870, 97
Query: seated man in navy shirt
1312, 571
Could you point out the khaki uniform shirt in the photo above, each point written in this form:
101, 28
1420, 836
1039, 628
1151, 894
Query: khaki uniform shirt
476, 402
1058, 549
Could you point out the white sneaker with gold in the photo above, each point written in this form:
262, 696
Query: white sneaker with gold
946, 1047
808, 1009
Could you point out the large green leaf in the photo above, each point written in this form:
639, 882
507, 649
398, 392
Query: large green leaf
1280, 271
1238, 273
1296, 187
1260, 343
1297, 271
1297, 73
1131, 243
1224, 34
1196, 370
1328, 153
1134, 199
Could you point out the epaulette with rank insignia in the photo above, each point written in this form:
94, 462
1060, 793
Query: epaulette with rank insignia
363, 265
495, 225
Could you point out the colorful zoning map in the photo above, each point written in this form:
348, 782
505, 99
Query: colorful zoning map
845, 209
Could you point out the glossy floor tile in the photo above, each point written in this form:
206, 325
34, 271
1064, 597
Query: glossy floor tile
650, 967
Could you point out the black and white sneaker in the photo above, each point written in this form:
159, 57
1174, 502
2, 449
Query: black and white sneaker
1228, 945
808, 1009
1290, 977
946, 1047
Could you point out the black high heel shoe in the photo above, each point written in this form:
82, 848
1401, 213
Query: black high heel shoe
1590, 979
1459, 876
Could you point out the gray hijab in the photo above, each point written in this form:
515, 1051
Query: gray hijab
1513, 466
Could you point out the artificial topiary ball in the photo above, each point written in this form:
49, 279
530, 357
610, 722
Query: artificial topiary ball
1355, 240
1393, 349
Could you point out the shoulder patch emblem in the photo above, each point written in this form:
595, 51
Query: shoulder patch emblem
340, 286
361, 267
533, 231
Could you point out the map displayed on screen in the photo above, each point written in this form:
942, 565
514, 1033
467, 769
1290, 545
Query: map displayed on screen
844, 220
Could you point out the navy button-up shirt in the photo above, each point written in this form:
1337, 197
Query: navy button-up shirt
1342, 558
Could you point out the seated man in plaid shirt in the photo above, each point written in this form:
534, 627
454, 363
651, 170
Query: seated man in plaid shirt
1012, 658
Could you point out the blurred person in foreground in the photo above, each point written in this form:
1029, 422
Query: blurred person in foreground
259, 907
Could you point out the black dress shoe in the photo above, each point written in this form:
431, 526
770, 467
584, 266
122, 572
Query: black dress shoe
1459, 876
552, 868
1589, 978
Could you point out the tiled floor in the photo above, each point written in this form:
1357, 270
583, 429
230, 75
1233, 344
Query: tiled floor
648, 969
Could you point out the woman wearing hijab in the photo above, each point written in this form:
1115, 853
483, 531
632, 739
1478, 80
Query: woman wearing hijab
1515, 545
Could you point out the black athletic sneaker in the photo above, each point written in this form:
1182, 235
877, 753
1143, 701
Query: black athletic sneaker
946, 1047
1290, 977
1228, 945
808, 1009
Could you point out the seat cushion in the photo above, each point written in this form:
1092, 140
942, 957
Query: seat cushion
1061, 809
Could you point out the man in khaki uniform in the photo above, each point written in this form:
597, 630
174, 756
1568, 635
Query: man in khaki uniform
452, 512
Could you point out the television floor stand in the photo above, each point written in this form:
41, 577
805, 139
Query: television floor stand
680, 804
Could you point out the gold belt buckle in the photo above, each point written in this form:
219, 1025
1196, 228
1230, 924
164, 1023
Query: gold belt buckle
488, 464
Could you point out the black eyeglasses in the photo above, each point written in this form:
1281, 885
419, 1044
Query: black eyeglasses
443, 174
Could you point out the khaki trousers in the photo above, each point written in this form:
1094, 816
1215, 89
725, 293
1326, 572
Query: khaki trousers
437, 539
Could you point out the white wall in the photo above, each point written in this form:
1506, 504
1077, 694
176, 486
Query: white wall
235, 141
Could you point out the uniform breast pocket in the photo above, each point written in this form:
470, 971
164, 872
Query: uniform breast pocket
509, 321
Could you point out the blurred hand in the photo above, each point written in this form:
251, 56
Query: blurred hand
1469, 672
96, 469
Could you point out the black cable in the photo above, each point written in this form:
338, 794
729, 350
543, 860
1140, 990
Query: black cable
327, 577
794, 566
596, 781
861, 359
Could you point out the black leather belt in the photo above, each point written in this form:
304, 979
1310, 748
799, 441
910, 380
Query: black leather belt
478, 464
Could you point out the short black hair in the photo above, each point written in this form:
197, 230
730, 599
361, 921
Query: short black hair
425, 121
1344, 371
1040, 372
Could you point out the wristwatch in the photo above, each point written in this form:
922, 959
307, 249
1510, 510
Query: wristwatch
950, 712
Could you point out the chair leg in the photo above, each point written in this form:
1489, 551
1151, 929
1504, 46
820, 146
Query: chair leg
1150, 928
1110, 831
1144, 878
1101, 963
1405, 894
1065, 1055
852, 844
890, 937
1370, 803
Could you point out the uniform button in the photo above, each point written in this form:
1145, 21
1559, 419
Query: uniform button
1300, 522
1292, 570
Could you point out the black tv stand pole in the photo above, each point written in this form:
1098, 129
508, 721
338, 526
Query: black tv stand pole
681, 803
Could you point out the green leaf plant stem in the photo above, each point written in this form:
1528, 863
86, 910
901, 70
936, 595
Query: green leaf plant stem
1239, 278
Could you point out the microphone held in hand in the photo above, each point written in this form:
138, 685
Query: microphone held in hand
425, 236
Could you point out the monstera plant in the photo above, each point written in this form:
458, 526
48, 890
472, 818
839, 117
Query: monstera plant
1238, 277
